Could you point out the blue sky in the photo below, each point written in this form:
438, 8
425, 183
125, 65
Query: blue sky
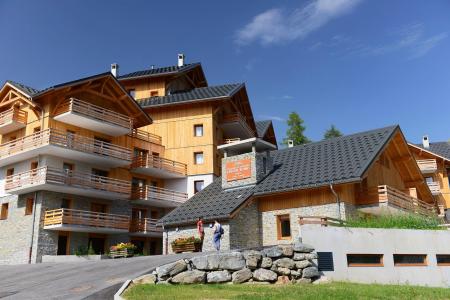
357, 64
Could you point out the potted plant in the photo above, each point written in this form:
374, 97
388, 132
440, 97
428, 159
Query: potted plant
122, 250
187, 244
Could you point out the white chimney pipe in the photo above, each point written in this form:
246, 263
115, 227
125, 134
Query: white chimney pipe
290, 143
181, 58
426, 142
115, 69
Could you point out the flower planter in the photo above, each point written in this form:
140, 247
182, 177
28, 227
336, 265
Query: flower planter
187, 247
121, 253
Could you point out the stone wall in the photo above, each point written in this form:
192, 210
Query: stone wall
245, 228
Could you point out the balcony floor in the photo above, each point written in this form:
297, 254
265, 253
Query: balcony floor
157, 202
158, 173
82, 228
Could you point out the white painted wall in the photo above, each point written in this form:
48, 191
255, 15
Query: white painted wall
186, 185
343, 241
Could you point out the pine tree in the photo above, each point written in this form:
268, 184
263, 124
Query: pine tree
332, 133
295, 131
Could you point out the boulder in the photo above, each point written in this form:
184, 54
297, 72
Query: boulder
273, 252
231, 261
296, 274
145, 279
266, 263
283, 280
264, 275
322, 280
242, 276
283, 271
285, 263
302, 248
252, 262
310, 272
301, 264
303, 281
299, 256
206, 262
189, 277
287, 250
252, 253
172, 269
218, 277
311, 256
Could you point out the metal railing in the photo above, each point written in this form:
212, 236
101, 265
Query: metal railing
148, 192
397, 198
427, 165
96, 112
13, 114
65, 216
151, 161
144, 225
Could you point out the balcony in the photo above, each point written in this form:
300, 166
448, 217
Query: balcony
65, 145
85, 221
434, 188
158, 167
235, 125
427, 166
12, 120
155, 196
146, 136
69, 182
83, 114
145, 227
391, 199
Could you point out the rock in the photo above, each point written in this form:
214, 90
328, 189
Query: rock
296, 274
145, 279
252, 262
242, 276
233, 261
252, 253
303, 248
322, 280
189, 277
303, 280
299, 256
303, 264
264, 275
285, 263
287, 250
311, 256
218, 277
171, 269
283, 271
310, 272
273, 252
206, 262
266, 262
283, 280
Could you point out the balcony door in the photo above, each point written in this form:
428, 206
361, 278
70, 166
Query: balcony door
99, 207
138, 188
99, 146
138, 213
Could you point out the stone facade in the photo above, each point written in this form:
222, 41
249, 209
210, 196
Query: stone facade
245, 228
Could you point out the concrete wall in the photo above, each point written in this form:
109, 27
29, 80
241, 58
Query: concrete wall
343, 241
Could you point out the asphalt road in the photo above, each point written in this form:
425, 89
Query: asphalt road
83, 280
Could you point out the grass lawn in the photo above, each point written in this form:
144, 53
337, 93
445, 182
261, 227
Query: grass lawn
336, 290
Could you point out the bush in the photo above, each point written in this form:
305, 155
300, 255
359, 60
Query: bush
81, 251
400, 221
123, 246
183, 241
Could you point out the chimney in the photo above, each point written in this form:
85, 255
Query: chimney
290, 143
181, 58
426, 142
115, 69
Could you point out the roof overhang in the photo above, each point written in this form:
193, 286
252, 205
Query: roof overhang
428, 152
247, 146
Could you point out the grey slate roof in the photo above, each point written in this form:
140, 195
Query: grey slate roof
339, 160
22, 87
158, 71
261, 127
440, 148
197, 94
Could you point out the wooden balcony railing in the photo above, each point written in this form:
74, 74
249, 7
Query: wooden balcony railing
49, 175
230, 141
144, 225
66, 140
65, 216
95, 112
237, 117
397, 198
427, 165
150, 192
151, 161
13, 114
146, 136
434, 187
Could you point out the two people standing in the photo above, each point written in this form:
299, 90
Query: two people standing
217, 232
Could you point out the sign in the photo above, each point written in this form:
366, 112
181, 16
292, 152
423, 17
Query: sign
239, 169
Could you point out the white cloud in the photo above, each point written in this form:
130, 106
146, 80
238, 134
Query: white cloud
277, 25
274, 118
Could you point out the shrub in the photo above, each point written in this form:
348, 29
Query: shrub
183, 241
400, 221
81, 251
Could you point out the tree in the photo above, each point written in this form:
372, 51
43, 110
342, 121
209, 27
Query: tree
332, 133
295, 130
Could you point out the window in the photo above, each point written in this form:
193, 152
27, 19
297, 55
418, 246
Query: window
34, 165
98, 172
36, 129
138, 152
365, 260
66, 203
410, 260
429, 179
443, 259
155, 154
198, 158
67, 167
198, 185
132, 93
154, 93
29, 206
284, 227
4, 212
10, 172
325, 261
198, 130
137, 182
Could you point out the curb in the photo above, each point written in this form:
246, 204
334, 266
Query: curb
118, 295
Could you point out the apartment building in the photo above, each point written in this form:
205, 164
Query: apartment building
98, 160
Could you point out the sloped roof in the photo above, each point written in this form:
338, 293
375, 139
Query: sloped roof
339, 160
262, 127
23, 88
194, 95
159, 71
440, 148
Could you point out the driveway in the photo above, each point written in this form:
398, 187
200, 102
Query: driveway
92, 280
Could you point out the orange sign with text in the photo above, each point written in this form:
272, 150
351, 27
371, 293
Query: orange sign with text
240, 169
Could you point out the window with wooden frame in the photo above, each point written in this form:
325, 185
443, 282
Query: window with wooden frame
132, 93
284, 227
29, 206
4, 212
410, 260
198, 130
154, 93
10, 172
198, 186
34, 165
198, 158
365, 260
443, 259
